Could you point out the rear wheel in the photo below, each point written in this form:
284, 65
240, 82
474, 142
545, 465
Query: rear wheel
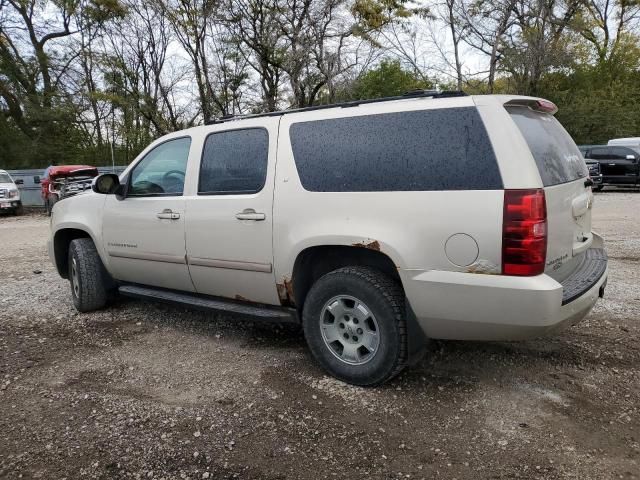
88, 278
354, 322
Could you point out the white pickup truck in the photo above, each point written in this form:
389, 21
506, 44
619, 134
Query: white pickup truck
9, 194
374, 224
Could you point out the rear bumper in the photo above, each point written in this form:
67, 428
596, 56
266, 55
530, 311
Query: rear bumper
467, 306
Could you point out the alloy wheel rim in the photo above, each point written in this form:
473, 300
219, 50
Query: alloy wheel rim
349, 330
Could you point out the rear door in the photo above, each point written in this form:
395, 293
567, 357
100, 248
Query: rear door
230, 221
569, 199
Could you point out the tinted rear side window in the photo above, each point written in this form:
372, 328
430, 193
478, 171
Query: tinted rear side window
556, 155
234, 162
442, 149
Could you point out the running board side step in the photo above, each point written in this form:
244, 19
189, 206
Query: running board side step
207, 303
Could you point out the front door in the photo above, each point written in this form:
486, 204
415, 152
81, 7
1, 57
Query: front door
143, 233
229, 224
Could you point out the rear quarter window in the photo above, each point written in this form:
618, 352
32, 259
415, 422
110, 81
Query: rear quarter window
440, 149
556, 154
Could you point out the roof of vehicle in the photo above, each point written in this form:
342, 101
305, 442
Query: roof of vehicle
625, 142
69, 169
353, 103
413, 101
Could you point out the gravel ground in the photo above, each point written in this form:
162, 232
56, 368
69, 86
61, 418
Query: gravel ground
153, 391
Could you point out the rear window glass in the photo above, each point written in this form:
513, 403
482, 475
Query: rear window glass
441, 149
555, 153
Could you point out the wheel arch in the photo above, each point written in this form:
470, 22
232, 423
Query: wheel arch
61, 241
315, 261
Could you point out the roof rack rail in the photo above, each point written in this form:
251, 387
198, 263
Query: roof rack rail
353, 103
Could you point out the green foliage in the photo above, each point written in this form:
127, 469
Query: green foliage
386, 80
100, 11
596, 104
61, 142
373, 14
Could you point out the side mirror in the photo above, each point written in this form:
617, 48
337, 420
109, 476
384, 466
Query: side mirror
19, 181
106, 184
36, 179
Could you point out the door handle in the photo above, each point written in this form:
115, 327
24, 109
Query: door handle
250, 214
167, 214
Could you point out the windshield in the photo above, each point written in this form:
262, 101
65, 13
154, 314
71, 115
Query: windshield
555, 153
5, 178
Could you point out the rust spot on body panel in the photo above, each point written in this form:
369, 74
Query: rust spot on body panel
483, 267
282, 293
372, 245
288, 285
241, 298
285, 292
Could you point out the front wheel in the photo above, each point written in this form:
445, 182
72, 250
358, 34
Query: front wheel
50, 201
354, 322
87, 276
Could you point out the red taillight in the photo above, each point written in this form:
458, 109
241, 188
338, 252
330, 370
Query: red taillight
524, 232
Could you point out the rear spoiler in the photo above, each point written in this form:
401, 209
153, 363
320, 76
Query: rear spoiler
539, 105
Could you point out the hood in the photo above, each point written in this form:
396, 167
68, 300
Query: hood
8, 186
72, 171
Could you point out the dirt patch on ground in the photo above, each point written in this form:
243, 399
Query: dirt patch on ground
152, 391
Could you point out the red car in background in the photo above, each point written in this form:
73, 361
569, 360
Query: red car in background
64, 181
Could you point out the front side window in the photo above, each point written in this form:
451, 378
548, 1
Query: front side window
162, 171
621, 153
234, 162
599, 153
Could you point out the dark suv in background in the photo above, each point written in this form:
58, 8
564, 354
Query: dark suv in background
612, 165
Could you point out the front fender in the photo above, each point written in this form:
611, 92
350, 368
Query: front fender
82, 213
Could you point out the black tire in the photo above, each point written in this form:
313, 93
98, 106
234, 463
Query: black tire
385, 299
85, 267
19, 210
597, 188
50, 202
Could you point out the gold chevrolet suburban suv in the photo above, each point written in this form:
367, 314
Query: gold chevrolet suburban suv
376, 225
